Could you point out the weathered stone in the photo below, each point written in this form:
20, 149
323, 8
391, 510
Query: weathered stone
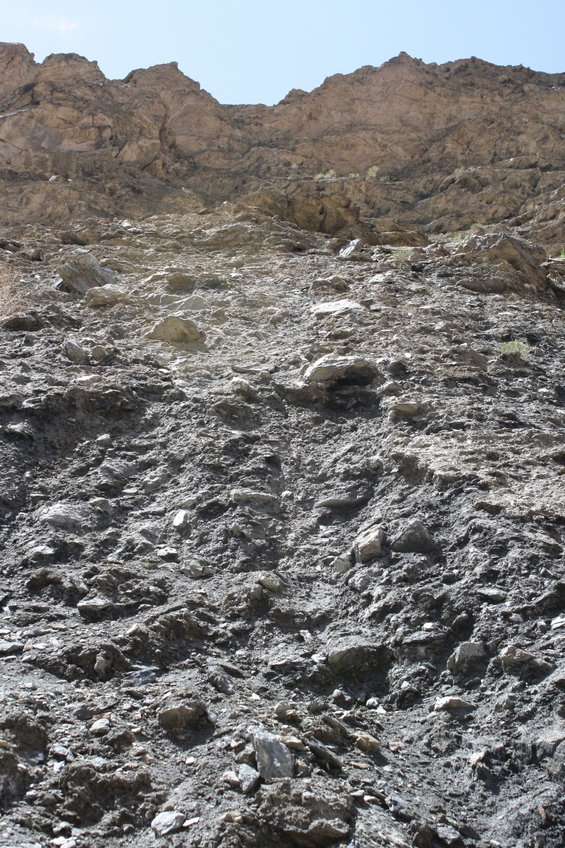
368, 544
75, 352
465, 656
367, 743
106, 295
355, 656
180, 717
415, 539
100, 727
84, 273
330, 369
336, 307
63, 517
274, 759
248, 778
176, 329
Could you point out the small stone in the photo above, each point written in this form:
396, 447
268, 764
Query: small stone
415, 539
492, 594
274, 759
405, 410
60, 752
341, 564
100, 727
350, 249
181, 520
367, 743
513, 658
368, 544
352, 656
62, 516
286, 712
248, 778
99, 353
95, 607
179, 717
322, 752
8, 648
448, 835
197, 570
466, 655
270, 581
231, 778
106, 295
75, 352
452, 702
336, 307
168, 822
331, 368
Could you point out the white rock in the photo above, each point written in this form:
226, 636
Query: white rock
270, 581
93, 607
63, 517
336, 307
168, 822
181, 520
350, 248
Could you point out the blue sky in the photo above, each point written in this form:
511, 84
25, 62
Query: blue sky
255, 51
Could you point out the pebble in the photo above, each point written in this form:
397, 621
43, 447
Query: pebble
75, 352
182, 716
100, 727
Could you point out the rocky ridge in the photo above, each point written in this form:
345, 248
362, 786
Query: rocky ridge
379, 151
282, 509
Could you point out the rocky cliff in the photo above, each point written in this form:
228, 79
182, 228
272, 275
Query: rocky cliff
282, 421
441, 147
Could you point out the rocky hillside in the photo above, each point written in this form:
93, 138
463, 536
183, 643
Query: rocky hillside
282, 508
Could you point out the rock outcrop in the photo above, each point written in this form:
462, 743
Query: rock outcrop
440, 147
